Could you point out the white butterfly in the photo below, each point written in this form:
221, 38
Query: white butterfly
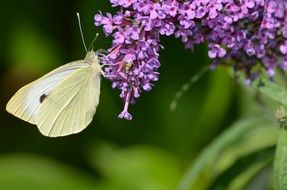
62, 102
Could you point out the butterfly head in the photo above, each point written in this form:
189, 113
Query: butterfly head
91, 57
93, 60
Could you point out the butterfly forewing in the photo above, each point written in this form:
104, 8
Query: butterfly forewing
26, 102
70, 106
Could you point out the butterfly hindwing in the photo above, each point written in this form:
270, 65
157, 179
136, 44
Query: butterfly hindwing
70, 106
26, 102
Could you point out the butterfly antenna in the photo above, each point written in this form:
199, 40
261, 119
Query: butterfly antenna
97, 34
81, 31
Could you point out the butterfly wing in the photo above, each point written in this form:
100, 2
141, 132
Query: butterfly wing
70, 107
26, 102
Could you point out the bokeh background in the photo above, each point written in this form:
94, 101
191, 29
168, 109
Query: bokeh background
159, 149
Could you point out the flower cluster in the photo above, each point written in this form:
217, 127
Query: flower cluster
247, 32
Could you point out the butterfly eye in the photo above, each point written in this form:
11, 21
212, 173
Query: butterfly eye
43, 97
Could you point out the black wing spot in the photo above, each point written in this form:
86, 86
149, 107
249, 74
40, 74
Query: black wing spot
43, 97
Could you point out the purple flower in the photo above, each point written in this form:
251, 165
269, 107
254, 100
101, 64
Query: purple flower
247, 32
214, 7
283, 48
125, 114
188, 10
216, 51
105, 21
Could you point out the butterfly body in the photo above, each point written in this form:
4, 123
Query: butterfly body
63, 101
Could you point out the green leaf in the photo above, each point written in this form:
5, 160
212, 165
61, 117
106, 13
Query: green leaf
28, 172
259, 159
215, 105
136, 167
272, 90
210, 153
280, 163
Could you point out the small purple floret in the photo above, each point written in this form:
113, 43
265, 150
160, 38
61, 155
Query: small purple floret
125, 115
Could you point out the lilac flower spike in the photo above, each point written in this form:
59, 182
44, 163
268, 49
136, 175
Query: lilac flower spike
247, 32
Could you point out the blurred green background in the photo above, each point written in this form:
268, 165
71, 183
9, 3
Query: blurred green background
188, 148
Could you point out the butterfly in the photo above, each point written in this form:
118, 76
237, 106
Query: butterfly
62, 102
